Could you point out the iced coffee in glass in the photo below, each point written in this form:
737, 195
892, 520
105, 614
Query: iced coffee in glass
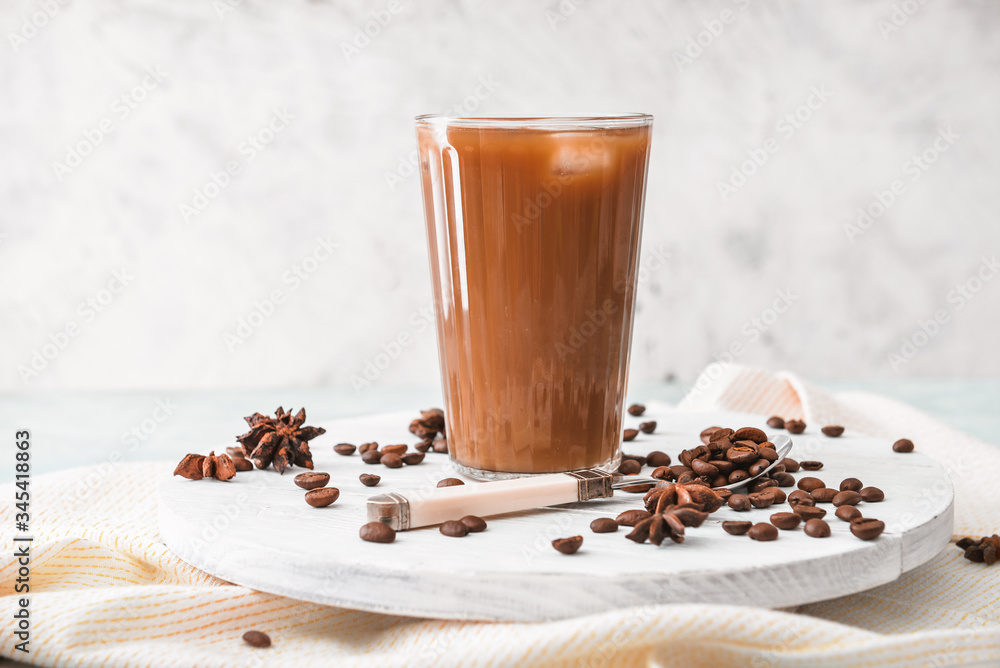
533, 227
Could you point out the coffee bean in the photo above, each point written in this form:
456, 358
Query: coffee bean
741, 456
761, 500
739, 502
866, 528
723, 494
568, 545
242, 464
395, 449
648, 427
413, 458
473, 523
763, 532
816, 528
376, 532
256, 639
424, 445
823, 494
783, 479
786, 521
391, 460
778, 495
636, 410
704, 468
636, 458
657, 459
833, 431
630, 434
768, 452
808, 512
852, 484
775, 422
640, 488
369, 480
847, 513
903, 445
750, 434
449, 482
760, 485
311, 479
344, 449
757, 467
795, 426
454, 529
739, 475
629, 467
847, 498
708, 434
235, 451
791, 465
811, 465
871, 494
809, 484
441, 445
604, 525
630, 518
322, 497
801, 496
736, 528
367, 447
371, 457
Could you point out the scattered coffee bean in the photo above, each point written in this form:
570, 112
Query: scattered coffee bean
630, 434
441, 445
369, 480
851, 484
811, 465
371, 457
657, 459
413, 458
761, 500
395, 449
257, 639
801, 496
786, 521
736, 528
816, 528
391, 460
775, 422
568, 545
791, 465
454, 529
778, 495
242, 464
808, 512
833, 431
366, 447
604, 525
783, 479
449, 482
629, 467
739, 502
376, 532
847, 498
823, 494
311, 479
866, 528
424, 445
345, 449
871, 494
795, 426
809, 484
847, 513
636, 458
473, 523
763, 532
235, 451
636, 410
630, 518
648, 427
322, 496
903, 445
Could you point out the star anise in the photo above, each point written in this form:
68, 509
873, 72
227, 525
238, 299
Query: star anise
280, 441
667, 523
981, 550
689, 495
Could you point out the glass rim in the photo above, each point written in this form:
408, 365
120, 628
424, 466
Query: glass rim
631, 119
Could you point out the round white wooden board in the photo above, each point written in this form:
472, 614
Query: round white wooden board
257, 531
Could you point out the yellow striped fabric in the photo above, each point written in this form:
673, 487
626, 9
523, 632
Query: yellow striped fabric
106, 592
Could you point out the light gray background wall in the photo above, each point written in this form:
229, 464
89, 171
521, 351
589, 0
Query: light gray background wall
224, 69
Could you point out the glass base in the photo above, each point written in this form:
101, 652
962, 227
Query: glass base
485, 475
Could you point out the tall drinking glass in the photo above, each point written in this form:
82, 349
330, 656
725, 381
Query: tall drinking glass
533, 227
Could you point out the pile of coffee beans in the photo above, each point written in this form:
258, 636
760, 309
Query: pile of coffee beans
726, 457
